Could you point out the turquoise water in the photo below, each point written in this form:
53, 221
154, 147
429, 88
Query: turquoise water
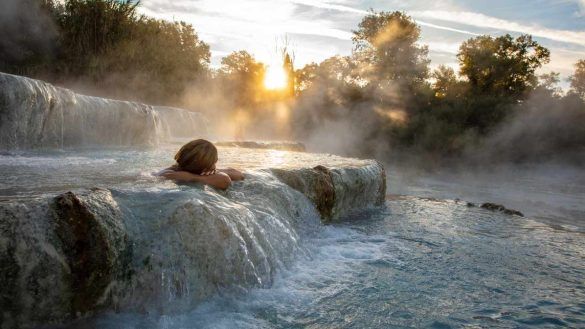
416, 263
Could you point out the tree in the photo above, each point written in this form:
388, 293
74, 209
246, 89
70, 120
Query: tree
244, 76
450, 103
334, 79
502, 66
446, 83
288, 67
157, 60
104, 46
90, 29
386, 46
549, 84
29, 36
578, 79
305, 76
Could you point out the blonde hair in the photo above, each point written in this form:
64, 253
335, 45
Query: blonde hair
196, 156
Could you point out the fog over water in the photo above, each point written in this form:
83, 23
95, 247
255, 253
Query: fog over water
552, 193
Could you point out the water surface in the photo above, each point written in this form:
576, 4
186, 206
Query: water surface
417, 262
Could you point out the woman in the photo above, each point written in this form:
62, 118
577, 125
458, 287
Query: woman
196, 163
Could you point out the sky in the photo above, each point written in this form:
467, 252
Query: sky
318, 29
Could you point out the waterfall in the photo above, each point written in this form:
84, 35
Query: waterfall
163, 249
153, 250
179, 123
36, 114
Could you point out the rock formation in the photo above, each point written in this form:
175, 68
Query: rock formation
85, 251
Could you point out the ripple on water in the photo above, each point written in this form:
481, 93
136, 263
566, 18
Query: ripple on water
403, 267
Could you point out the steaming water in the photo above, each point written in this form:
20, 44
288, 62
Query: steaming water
551, 192
415, 263
29, 174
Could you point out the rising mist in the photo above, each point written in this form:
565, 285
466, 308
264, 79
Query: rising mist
381, 101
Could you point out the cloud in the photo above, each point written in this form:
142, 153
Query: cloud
484, 21
443, 47
562, 61
254, 25
361, 12
322, 28
446, 28
329, 5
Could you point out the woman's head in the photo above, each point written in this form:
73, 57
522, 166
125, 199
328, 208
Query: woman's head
197, 156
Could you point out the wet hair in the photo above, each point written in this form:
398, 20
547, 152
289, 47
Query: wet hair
196, 156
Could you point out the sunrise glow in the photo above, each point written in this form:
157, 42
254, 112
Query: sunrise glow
275, 78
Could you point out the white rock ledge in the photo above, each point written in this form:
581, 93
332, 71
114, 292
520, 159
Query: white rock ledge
83, 252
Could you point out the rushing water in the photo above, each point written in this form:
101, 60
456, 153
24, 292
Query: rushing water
36, 114
418, 262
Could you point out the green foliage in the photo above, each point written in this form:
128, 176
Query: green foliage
502, 66
383, 93
578, 79
157, 61
106, 44
336, 76
243, 76
385, 83
499, 72
90, 29
386, 45
447, 85
548, 84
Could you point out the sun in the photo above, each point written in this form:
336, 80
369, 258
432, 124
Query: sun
275, 78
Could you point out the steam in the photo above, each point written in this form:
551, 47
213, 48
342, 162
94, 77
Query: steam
544, 129
26, 29
325, 121
350, 107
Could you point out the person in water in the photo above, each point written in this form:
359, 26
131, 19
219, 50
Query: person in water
196, 162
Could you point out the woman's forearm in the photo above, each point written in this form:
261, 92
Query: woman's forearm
234, 174
219, 180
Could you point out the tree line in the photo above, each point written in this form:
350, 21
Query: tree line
496, 105
105, 45
383, 96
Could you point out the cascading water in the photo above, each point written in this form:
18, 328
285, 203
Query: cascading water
163, 247
187, 243
35, 114
178, 123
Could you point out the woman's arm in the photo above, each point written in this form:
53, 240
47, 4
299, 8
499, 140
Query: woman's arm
234, 174
219, 180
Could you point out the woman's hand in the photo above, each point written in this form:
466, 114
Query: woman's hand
209, 172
